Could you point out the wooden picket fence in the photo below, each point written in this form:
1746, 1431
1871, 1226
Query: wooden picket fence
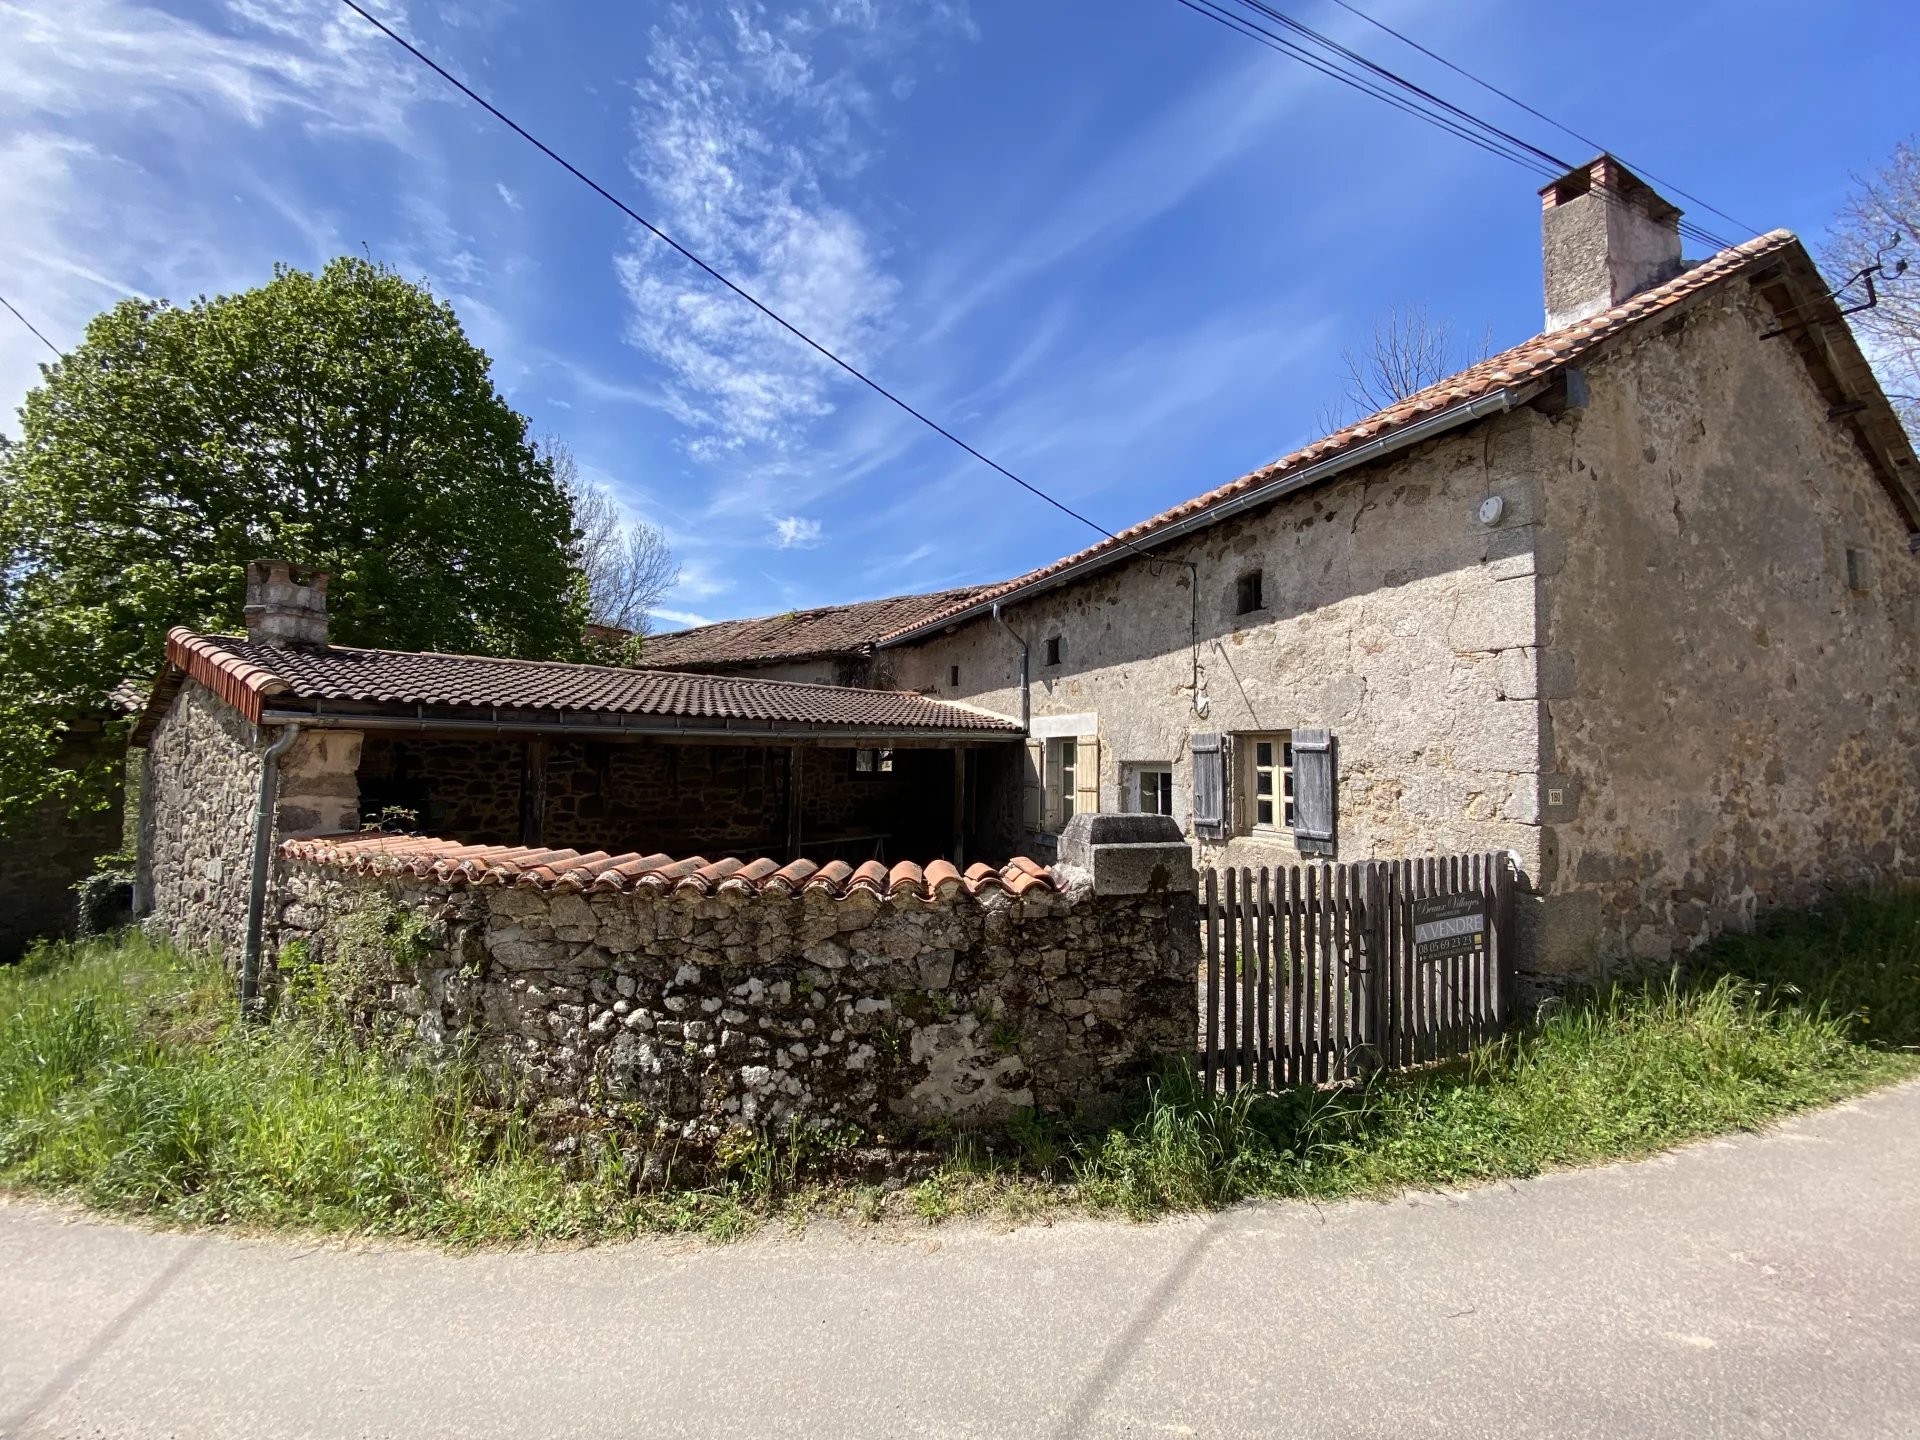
1319, 973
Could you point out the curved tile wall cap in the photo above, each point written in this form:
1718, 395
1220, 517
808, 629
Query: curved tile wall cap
571, 871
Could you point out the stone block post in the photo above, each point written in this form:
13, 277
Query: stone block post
1129, 854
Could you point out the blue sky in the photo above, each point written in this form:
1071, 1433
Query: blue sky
1113, 245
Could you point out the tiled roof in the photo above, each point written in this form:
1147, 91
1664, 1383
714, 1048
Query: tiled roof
830, 630
569, 871
1535, 360
253, 678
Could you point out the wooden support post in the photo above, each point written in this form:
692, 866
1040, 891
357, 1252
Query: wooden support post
959, 808
795, 769
533, 792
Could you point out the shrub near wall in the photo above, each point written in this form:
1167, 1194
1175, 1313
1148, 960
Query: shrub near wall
719, 1004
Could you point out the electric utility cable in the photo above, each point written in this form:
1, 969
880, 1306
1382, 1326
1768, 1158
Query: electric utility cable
1511, 146
30, 325
1562, 127
1413, 99
755, 301
1559, 166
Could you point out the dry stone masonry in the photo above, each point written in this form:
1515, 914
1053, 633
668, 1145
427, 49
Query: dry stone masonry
718, 996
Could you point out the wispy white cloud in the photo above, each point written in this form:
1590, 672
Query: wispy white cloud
744, 135
507, 197
90, 88
686, 618
795, 532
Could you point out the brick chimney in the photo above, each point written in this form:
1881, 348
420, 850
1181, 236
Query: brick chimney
1605, 236
286, 605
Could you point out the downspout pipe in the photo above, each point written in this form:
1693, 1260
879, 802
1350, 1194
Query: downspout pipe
262, 868
1026, 692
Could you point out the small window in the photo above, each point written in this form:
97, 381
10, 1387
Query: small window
872, 764
1859, 570
1268, 781
1150, 789
953, 676
1053, 650
1246, 594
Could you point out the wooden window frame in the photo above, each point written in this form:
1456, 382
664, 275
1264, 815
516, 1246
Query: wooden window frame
1137, 773
883, 757
1277, 772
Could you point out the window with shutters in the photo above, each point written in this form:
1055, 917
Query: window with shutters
1148, 789
1070, 780
1066, 765
1266, 781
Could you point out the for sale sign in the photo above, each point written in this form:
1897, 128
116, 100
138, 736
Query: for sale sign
1446, 925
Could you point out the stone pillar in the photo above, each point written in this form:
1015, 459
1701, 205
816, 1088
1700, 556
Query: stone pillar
319, 785
1129, 854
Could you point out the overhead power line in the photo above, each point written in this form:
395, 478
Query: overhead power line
30, 325
1561, 126
1253, 18
755, 301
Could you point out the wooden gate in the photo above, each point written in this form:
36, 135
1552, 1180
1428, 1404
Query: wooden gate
1318, 973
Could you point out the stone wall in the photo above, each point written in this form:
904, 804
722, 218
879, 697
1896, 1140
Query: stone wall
1738, 725
50, 851
753, 1008
202, 782
1392, 618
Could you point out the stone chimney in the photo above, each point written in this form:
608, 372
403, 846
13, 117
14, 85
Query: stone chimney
1605, 236
286, 605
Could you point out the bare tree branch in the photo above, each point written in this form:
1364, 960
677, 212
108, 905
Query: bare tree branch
1879, 208
1409, 350
628, 564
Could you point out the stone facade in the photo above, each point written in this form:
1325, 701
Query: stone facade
1654, 678
745, 1008
1391, 617
1735, 715
202, 784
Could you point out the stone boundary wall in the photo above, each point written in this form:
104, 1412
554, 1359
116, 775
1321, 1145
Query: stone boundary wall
726, 1005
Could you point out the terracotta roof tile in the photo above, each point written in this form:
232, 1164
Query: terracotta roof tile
1534, 359
824, 632
525, 867
249, 676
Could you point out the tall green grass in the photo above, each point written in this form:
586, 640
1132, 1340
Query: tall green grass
1814, 1007
127, 1081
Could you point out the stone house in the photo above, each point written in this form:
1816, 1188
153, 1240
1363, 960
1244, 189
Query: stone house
1636, 600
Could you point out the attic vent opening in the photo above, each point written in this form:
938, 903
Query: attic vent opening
953, 676
1247, 596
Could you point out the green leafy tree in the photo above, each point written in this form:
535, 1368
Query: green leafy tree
342, 420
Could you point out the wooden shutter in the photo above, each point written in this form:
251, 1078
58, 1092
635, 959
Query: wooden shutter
1086, 775
1209, 786
1315, 792
1036, 793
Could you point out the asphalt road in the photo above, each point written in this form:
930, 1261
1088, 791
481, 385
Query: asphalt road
1765, 1285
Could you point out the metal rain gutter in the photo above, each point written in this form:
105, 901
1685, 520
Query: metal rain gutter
1499, 402
733, 730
